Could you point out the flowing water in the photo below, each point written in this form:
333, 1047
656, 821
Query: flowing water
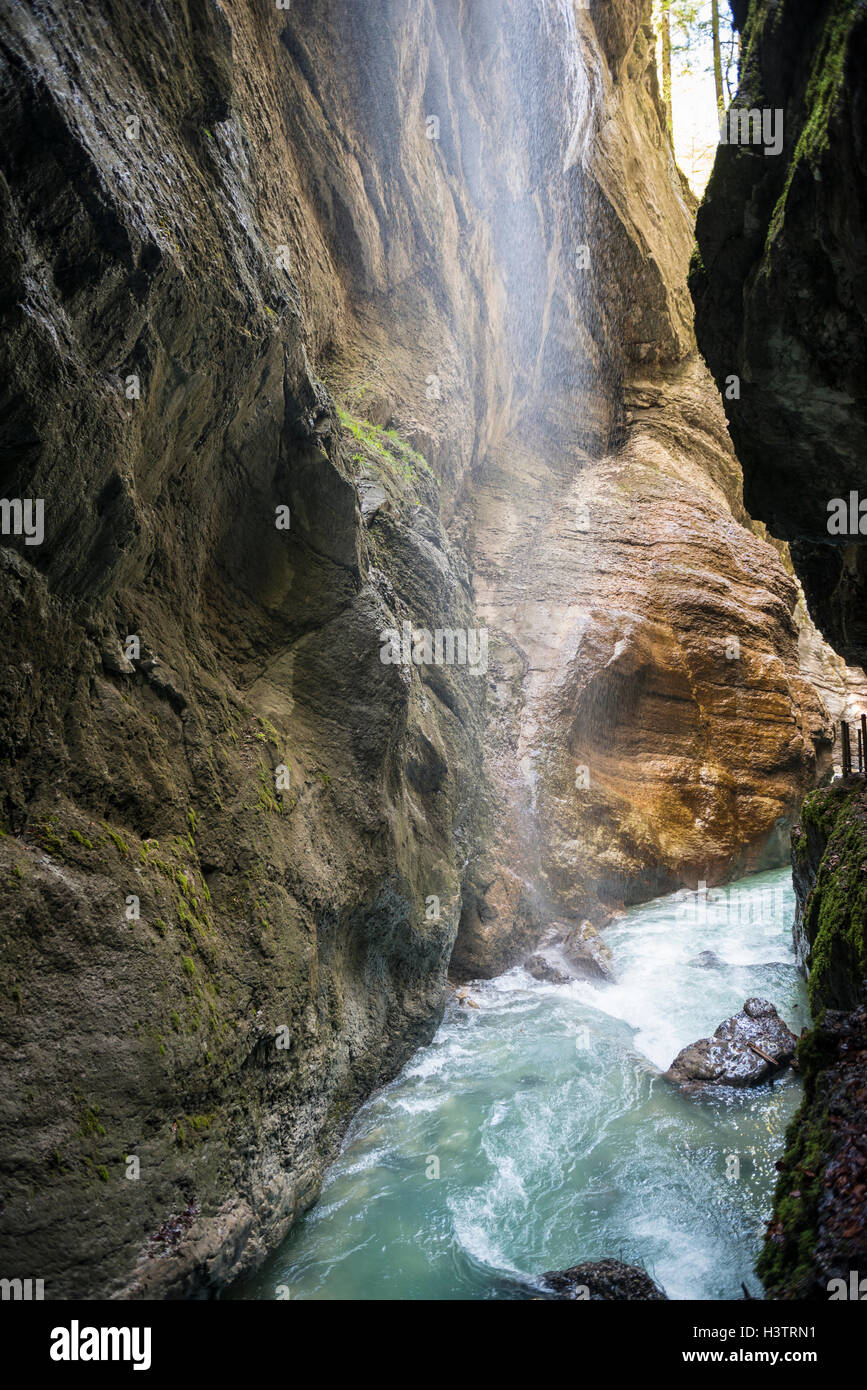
554, 1137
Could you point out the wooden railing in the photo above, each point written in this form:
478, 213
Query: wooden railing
860, 763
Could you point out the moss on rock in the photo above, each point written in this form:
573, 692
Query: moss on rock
835, 915
818, 1230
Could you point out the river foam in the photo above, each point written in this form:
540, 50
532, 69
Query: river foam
535, 1131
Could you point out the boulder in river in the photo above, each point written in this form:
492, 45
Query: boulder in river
607, 1281
707, 960
541, 968
749, 1048
584, 950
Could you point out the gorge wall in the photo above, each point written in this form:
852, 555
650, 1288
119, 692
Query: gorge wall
779, 287
818, 1231
649, 724
778, 277
416, 273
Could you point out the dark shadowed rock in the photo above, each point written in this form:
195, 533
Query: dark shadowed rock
733, 1056
606, 1281
818, 1228
304, 912
777, 280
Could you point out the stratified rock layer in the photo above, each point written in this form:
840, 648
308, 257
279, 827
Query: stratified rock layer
779, 281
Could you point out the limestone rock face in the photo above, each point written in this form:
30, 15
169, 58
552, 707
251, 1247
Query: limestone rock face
499, 921
747, 1049
778, 286
649, 725
818, 1229
829, 871
233, 846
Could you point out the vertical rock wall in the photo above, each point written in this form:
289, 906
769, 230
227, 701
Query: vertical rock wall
779, 281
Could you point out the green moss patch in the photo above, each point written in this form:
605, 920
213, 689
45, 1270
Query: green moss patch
835, 916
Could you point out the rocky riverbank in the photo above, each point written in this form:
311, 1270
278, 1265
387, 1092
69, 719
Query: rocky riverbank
818, 1231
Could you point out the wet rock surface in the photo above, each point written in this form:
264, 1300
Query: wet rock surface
584, 951
750, 1047
605, 1281
541, 968
781, 259
707, 960
573, 951
818, 1230
167, 301
620, 723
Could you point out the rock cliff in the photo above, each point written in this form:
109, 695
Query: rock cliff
778, 279
818, 1231
649, 722
233, 836
320, 322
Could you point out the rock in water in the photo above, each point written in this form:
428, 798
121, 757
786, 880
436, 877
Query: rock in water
707, 960
543, 969
746, 1050
586, 952
606, 1281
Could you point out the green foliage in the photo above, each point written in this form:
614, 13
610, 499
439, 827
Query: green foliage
117, 839
835, 917
90, 1122
266, 733
691, 29
823, 92
386, 447
266, 797
833, 820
